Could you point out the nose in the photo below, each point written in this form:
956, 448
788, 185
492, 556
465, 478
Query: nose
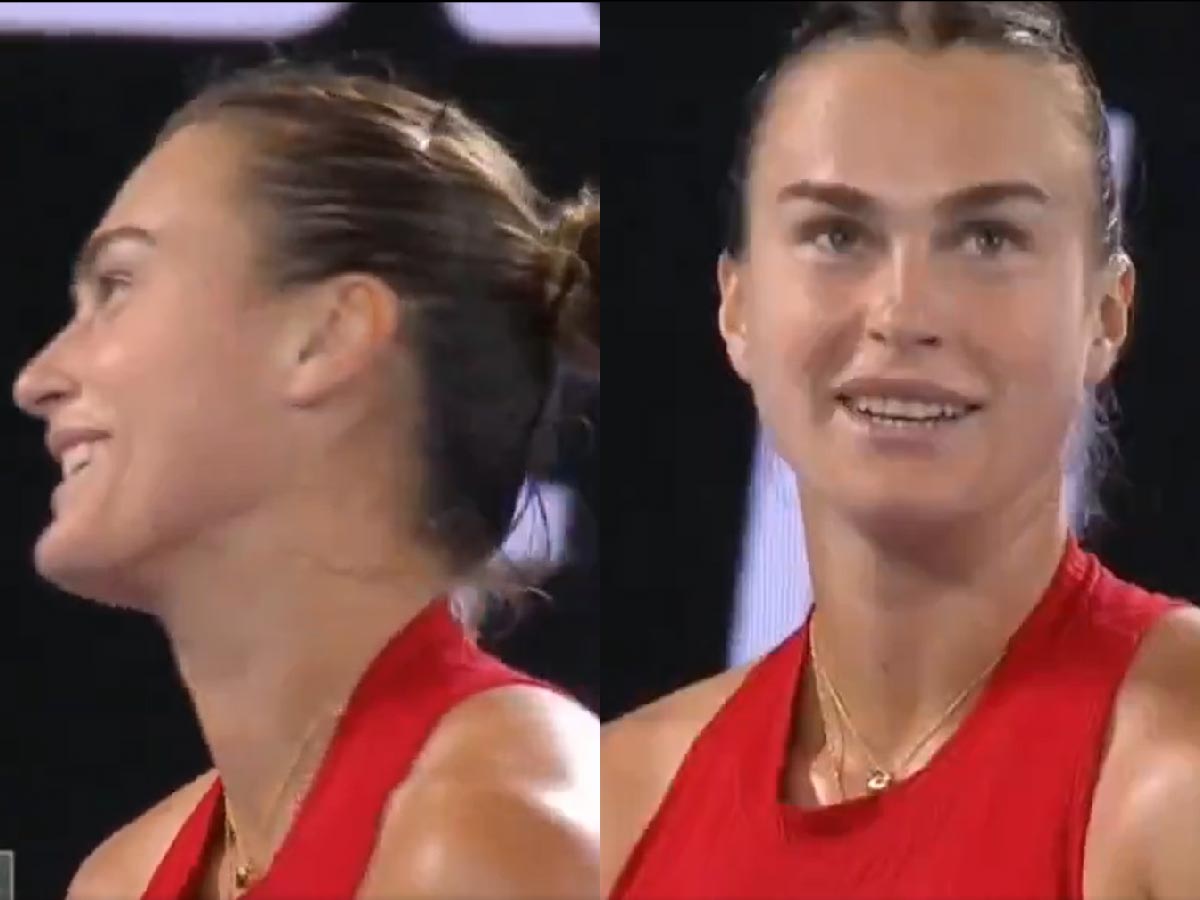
905, 312
42, 384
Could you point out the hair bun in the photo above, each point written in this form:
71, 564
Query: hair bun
574, 281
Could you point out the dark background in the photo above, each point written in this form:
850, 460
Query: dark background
678, 455
97, 726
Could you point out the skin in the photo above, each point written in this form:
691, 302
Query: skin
1007, 301
255, 491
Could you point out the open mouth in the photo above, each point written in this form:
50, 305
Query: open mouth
76, 459
898, 413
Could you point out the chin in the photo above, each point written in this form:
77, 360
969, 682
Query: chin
901, 520
91, 572
912, 512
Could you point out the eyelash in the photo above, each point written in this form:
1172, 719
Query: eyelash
812, 231
108, 283
1014, 237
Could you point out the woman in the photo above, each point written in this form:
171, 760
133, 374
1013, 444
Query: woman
314, 337
923, 286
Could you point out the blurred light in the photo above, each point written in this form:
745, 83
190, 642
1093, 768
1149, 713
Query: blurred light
542, 525
538, 24
1122, 135
237, 21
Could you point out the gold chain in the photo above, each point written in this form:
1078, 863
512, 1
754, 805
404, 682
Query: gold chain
840, 770
245, 872
882, 777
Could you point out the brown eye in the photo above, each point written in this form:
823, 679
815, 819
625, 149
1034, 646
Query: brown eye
838, 239
837, 236
990, 239
107, 285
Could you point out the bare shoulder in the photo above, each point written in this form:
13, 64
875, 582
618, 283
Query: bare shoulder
1147, 805
640, 754
504, 801
123, 864
1163, 682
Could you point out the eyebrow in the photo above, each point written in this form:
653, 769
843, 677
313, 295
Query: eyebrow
852, 200
85, 260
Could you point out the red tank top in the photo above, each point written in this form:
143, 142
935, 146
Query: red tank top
1001, 810
426, 669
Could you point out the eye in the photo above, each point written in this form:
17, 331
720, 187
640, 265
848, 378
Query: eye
990, 239
107, 285
834, 236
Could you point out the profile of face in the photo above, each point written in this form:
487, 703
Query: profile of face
921, 302
162, 394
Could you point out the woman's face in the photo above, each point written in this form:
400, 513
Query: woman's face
921, 303
161, 394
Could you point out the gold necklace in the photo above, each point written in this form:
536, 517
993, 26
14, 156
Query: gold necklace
243, 872
246, 872
839, 770
882, 777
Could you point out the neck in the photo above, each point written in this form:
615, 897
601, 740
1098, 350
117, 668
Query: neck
270, 645
904, 625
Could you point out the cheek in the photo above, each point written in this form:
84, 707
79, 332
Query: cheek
1031, 336
1030, 345
193, 370
803, 322
802, 332
206, 407
191, 420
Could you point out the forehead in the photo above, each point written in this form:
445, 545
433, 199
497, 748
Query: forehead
186, 191
909, 126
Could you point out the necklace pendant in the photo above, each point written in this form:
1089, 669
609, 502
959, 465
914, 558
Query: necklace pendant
879, 781
241, 877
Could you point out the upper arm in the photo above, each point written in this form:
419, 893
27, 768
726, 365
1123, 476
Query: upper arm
639, 756
1166, 802
101, 874
122, 865
455, 841
502, 803
1150, 795
1171, 828
632, 790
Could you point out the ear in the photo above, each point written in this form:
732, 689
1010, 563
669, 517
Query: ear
731, 317
1111, 319
341, 328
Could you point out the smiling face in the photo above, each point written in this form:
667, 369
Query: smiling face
161, 389
921, 302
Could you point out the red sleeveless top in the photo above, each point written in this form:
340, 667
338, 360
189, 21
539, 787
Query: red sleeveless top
426, 669
1001, 810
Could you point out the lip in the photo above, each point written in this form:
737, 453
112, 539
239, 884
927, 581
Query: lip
62, 438
906, 389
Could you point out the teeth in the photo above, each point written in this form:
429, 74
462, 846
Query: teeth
76, 458
910, 410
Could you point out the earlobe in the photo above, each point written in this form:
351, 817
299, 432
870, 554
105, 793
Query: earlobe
1113, 314
1117, 305
1100, 359
731, 314
1105, 346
